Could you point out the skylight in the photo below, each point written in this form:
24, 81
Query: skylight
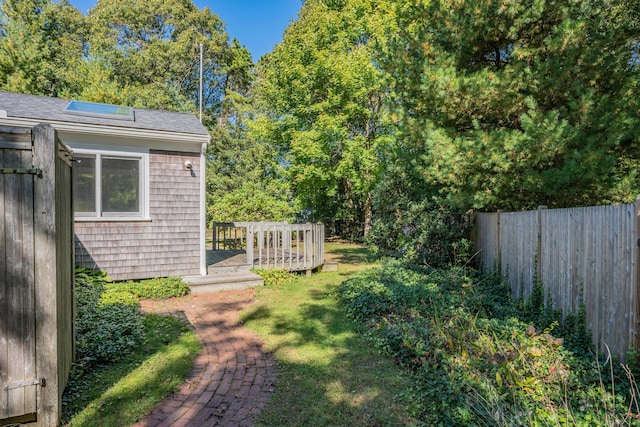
105, 111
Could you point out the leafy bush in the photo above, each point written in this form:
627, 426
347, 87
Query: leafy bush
275, 276
108, 325
475, 361
420, 228
158, 288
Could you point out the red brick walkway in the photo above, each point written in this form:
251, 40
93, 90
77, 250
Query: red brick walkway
232, 378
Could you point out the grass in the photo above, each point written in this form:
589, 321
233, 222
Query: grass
124, 393
329, 375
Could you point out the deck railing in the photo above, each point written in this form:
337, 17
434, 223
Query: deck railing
294, 247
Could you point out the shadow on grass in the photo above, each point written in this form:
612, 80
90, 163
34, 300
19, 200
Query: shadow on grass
355, 254
121, 394
257, 313
329, 373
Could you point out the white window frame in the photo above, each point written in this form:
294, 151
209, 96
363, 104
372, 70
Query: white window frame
143, 212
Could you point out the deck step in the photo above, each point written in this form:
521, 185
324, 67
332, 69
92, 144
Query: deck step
330, 266
214, 269
223, 282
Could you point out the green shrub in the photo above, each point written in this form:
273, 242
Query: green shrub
475, 361
275, 276
108, 325
158, 288
419, 226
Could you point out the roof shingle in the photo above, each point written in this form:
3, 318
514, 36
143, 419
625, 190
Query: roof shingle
52, 109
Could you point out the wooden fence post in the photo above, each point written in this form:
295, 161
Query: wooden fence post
44, 149
498, 248
539, 248
249, 239
634, 339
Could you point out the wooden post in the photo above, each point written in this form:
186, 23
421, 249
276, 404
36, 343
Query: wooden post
634, 338
498, 248
249, 229
539, 248
260, 244
45, 155
298, 247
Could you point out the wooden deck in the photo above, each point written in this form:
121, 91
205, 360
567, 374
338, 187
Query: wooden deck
226, 258
236, 260
237, 247
246, 245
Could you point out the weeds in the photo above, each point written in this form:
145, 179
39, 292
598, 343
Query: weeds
275, 276
480, 358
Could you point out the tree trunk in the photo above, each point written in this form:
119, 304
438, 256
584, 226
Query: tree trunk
368, 215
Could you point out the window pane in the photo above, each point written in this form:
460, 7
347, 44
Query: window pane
120, 185
84, 184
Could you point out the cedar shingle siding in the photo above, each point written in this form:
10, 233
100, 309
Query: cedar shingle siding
169, 244
169, 241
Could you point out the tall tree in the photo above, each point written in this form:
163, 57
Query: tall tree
150, 50
513, 104
245, 181
41, 47
322, 96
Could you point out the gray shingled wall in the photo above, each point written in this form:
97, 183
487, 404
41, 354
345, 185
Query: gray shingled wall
168, 245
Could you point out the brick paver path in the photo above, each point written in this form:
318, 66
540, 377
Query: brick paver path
232, 378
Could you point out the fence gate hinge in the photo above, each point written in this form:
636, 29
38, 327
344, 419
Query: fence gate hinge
29, 171
26, 383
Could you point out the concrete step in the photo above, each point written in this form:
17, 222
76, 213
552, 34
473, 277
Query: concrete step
330, 266
223, 282
213, 269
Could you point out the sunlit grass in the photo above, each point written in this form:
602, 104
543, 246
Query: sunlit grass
329, 374
122, 394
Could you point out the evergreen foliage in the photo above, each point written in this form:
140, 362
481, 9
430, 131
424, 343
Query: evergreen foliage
41, 47
510, 105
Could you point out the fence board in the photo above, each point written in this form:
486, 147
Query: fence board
4, 313
486, 242
585, 255
28, 286
18, 303
36, 276
518, 246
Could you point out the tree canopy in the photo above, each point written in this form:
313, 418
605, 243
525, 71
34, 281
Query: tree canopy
41, 46
321, 96
369, 115
146, 54
511, 105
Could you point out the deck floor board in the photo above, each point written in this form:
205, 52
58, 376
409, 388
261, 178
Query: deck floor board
233, 258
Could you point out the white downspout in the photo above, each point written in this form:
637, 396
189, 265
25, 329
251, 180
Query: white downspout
203, 211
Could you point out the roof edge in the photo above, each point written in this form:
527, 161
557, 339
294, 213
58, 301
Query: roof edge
95, 129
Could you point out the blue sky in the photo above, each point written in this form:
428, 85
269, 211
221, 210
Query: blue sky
258, 24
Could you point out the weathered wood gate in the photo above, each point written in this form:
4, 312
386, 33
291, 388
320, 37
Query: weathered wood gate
36, 274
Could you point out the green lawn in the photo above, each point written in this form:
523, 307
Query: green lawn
329, 375
121, 394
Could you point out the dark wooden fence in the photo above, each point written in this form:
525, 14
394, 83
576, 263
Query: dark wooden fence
580, 255
36, 274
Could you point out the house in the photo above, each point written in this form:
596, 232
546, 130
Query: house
138, 183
